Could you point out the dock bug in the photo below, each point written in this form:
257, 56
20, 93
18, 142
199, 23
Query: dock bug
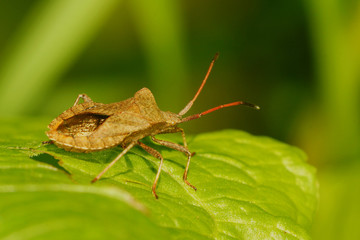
92, 126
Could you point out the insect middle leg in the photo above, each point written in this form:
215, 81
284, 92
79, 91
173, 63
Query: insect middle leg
180, 148
156, 154
85, 97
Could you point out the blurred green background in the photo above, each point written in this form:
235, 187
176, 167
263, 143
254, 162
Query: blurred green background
299, 60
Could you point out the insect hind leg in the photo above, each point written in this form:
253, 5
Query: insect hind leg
47, 142
85, 97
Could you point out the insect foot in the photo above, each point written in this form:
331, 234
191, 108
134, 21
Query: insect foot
90, 126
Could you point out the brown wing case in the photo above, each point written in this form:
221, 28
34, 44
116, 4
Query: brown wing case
94, 126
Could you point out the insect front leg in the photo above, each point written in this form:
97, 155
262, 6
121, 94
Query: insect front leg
85, 97
182, 134
176, 130
156, 154
180, 148
114, 161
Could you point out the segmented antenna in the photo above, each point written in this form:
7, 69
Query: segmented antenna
195, 116
188, 106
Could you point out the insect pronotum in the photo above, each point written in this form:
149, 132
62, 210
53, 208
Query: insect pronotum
91, 126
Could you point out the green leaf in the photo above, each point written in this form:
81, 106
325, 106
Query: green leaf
248, 188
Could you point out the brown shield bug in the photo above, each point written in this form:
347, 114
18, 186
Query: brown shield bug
91, 126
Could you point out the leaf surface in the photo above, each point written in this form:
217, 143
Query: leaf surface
249, 187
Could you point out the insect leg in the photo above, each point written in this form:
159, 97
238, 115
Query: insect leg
85, 97
180, 148
156, 154
176, 130
114, 161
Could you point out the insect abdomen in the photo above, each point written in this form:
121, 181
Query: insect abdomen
74, 132
84, 143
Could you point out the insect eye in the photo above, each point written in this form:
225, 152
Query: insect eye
81, 124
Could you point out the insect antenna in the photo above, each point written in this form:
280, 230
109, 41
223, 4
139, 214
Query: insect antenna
195, 116
188, 106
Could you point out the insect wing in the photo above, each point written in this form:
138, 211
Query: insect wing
109, 109
121, 125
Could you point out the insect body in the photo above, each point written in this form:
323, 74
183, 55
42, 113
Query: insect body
92, 126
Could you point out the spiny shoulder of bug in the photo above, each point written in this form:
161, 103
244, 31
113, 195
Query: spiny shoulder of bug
145, 101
